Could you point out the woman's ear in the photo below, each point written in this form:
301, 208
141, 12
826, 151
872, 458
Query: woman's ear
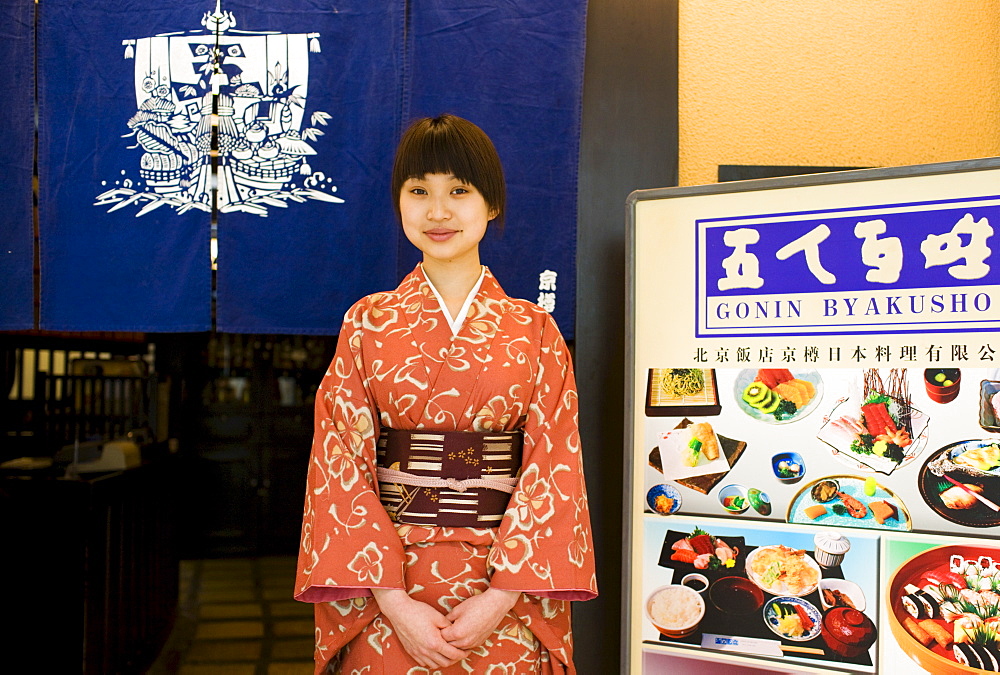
492, 214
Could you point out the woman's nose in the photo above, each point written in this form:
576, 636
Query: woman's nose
438, 210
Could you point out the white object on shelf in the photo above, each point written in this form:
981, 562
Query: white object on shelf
115, 456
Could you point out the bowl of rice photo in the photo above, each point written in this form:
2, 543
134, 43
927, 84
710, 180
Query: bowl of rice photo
675, 610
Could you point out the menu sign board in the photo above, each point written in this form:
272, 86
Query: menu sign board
902, 267
814, 366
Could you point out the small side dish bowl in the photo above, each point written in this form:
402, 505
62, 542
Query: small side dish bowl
788, 467
675, 610
942, 384
793, 618
663, 499
829, 589
760, 502
696, 582
989, 405
734, 498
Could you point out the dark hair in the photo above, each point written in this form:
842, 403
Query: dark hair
455, 146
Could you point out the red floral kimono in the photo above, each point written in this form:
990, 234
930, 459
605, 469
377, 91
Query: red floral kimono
507, 368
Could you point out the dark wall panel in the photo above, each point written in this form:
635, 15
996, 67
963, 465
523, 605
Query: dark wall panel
629, 142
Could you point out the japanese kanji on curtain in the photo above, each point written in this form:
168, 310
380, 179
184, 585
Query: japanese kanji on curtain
515, 69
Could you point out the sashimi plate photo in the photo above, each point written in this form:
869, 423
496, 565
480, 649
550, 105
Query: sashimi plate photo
778, 395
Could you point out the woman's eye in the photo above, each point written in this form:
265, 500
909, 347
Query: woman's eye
460, 191
418, 191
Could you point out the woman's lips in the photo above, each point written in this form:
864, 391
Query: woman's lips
440, 234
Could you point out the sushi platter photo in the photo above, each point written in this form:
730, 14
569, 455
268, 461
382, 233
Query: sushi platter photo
944, 608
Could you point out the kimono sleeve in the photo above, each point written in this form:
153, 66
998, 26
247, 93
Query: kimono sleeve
544, 543
349, 545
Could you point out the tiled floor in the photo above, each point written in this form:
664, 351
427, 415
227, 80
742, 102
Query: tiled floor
236, 617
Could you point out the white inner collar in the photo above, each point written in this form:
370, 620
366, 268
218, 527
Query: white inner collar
456, 322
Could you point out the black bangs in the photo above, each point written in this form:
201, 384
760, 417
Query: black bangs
454, 146
438, 151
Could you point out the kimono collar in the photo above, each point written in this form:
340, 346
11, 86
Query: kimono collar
455, 322
423, 307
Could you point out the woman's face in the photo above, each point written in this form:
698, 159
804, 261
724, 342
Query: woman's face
444, 217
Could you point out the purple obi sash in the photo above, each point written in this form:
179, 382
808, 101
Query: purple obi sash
447, 478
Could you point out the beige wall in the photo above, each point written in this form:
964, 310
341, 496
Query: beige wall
870, 83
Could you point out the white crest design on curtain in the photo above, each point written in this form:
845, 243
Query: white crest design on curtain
219, 121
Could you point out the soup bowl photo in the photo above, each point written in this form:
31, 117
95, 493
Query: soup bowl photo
736, 595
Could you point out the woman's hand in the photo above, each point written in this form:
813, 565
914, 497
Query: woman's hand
474, 619
418, 626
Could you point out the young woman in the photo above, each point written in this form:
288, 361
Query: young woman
446, 525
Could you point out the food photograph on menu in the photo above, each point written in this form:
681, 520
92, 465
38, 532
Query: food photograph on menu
793, 594
839, 452
877, 448
942, 605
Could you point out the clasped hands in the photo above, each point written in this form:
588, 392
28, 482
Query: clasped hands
436, 640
